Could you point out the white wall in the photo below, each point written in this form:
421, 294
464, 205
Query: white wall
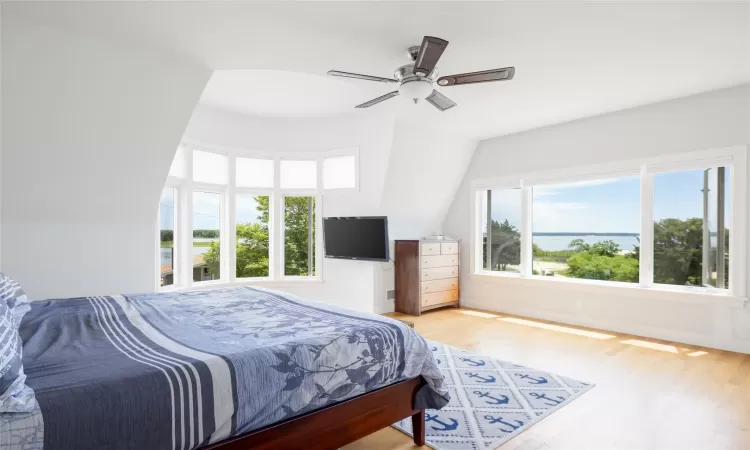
406, 173
712, 120
91, 127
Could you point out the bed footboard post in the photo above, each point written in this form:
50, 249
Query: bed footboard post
417, 426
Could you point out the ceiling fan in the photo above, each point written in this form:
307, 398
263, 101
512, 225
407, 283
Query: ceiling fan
417, 80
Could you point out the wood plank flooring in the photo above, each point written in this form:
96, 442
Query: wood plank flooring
650, 395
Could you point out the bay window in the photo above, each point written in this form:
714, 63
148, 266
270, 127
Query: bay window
230, 215
676, 222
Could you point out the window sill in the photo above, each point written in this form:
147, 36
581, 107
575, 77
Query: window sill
684, 294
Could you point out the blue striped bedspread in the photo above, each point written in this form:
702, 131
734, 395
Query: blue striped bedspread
183, 370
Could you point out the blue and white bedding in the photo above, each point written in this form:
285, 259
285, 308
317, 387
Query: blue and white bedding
182, 370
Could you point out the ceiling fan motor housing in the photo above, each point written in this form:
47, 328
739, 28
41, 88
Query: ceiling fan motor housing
414, 86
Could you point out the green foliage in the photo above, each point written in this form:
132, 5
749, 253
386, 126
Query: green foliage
296, 217
253, 238
166, 236
209, 234
551, 255
677, 251
602, 267
506, 245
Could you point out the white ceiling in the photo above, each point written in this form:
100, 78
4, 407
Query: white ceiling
572, 60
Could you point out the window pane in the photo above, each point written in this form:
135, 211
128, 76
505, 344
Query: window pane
588, 229
206, 226
209, 167
252, 236
502, 245
339, 172
178, 163
166, 236
252, 172
299, 174
299, 236
691, 234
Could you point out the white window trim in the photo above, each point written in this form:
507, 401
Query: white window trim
352, 151
734, 157
184, 188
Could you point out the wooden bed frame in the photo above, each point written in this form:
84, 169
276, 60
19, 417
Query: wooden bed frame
340, 424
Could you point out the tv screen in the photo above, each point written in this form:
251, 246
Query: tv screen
356, 238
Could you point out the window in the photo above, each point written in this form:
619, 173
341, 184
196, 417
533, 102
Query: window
588, 229
206, 236
247, 215
253, 213
209, 167
501, 213
254, 172
167, 237
674, 223
340, 172
299, 174
299, 236
691, 234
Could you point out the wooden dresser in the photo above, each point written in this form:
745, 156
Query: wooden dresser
426, 275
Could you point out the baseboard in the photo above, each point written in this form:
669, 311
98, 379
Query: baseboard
695, 339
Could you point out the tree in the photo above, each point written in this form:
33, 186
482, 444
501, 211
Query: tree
600, 267
579, 245
296, 249
677, 251
506, 245
605, 248
253, 238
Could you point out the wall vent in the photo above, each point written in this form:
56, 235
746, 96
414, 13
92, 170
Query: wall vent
390, 295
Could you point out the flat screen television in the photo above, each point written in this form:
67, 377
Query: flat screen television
362, 238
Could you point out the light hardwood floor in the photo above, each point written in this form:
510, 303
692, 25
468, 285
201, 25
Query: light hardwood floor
649, 394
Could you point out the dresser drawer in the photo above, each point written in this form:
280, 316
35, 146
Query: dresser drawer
449, 284
426, 262
449, 248
438, 273
429, 248
439, 297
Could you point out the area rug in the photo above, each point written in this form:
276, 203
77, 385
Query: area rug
491, 400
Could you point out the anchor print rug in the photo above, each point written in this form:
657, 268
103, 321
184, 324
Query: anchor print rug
491, 400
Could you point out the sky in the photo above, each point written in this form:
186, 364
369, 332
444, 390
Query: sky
206, 210
598, 206
606, 206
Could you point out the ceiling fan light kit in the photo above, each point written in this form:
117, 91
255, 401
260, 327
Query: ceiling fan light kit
417, 80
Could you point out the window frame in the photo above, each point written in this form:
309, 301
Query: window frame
185, 187
176, 268
353, 151
734, 157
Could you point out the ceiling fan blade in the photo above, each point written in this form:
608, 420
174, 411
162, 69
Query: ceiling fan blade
478, 77
429, 54
440, 101
336, 73
375, 101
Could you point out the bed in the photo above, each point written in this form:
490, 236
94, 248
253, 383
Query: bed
227, 368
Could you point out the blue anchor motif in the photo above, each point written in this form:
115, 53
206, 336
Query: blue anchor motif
434, 349
445, 426
540, 380
471, 362
481, 379
493, 420
549, 401
437, 361
493, 400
